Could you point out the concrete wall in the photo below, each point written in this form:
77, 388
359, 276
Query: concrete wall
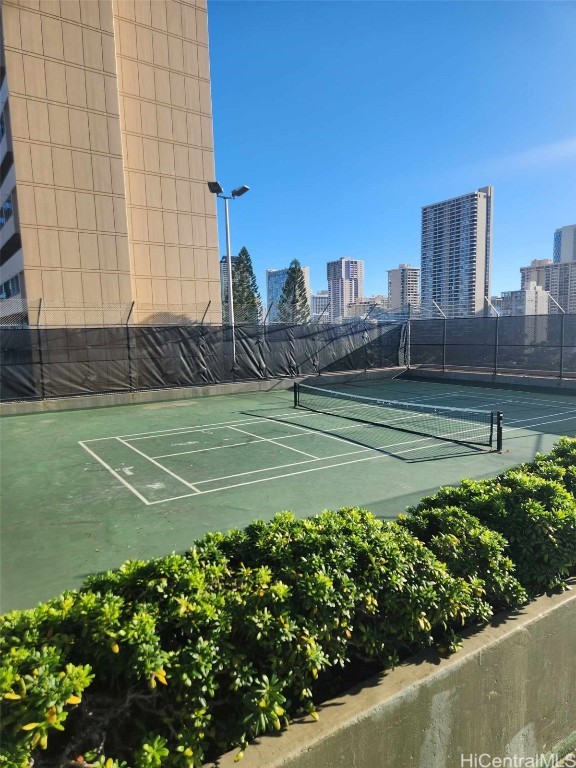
509, 692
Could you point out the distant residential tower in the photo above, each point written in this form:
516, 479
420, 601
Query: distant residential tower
558, 279
345, 285
319, 306
275, 279
403, 287
456, 253
565, 244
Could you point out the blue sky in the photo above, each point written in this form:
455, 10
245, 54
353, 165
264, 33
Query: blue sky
345, 117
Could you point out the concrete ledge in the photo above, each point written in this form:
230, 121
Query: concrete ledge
510, 381
510, 692
79, 402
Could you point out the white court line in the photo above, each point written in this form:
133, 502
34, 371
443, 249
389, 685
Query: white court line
303, 433
323, 458
116, 475
491, 405
203, 450
313, 459
414, 400
283, 466
268, 440
298, 463
379, 450
231, 445
515, 400
303, 430
537, 423
525, 404
546, 416
325, 434
291, 474
192, 430
157, 463
177, 430
277, 477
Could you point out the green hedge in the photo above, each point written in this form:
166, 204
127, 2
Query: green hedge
535, 515
176, 660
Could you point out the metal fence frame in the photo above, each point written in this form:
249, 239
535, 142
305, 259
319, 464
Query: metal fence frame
547, 348
40, 361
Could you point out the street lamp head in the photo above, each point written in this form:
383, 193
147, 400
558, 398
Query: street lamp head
239, 191
215, 188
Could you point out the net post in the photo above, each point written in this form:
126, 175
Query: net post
499, 419
296, 393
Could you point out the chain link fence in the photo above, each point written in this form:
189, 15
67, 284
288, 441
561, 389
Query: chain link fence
537, 345
55, 350
41, 362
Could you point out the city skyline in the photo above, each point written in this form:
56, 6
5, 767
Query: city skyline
405, 274
111, 204
342, 145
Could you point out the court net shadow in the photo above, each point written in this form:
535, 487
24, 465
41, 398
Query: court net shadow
398, 444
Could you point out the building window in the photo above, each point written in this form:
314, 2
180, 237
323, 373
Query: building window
3, 119
10, 288
6, 211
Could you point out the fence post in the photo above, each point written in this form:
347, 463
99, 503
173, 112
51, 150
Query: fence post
563, 316
496, 345
408, 343
40, 356
205, 312
443, 336
563, 311
128, 349
317, 351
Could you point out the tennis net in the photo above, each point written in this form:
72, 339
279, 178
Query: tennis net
460, 425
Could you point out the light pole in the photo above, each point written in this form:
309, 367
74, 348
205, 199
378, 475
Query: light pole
216, 189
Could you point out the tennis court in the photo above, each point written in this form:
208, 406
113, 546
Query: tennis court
86, 490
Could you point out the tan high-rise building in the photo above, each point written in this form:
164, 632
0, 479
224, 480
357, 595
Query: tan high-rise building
557, 278
105, 149
345, 285
404, 287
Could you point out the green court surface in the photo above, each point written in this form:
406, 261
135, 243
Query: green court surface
85, 490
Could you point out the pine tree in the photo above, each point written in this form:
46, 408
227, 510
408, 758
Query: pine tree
247, 302
293, 305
